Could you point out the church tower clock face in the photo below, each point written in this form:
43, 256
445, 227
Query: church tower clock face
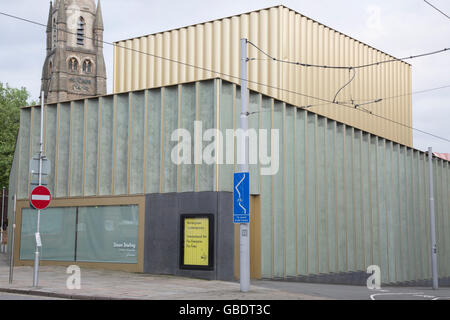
75, 65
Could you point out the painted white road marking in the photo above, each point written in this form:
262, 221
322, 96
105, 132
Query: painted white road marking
372, 297
417, 294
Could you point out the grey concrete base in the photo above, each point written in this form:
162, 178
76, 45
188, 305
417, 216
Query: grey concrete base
347, 278
162, 233
358, 278
443, 282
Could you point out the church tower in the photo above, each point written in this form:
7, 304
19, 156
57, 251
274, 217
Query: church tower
74, 67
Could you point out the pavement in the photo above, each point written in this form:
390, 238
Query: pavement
116, 285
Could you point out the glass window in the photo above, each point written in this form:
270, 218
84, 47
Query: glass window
57, 229
89, 234
73, 65
107, 234
87, 66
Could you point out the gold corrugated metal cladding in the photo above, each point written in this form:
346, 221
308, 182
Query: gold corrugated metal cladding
284, 34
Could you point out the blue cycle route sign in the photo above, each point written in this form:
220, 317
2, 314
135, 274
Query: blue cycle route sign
241, 197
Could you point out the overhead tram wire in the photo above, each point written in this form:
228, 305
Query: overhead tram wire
399, 123
437, 9
402, 95
346, 67
350, 68
350, 81
326, 102
373, 101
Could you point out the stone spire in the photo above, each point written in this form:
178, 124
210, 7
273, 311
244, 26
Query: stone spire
49, 21
62, 17
99, 18
49, 28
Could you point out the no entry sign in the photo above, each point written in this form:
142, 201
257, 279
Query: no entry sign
40, 198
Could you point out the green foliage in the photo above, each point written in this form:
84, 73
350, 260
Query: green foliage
11, 100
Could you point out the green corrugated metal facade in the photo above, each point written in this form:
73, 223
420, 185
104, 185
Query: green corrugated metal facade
343, 199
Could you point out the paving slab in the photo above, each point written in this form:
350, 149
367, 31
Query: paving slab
116, 285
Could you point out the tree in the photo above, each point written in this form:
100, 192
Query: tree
11, 99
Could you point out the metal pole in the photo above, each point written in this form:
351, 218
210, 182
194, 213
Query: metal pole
244, 237
13, 233
3, 213
434, 258
41, 151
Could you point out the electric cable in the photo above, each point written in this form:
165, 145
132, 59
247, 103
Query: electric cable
239, 78
437, 9
347, 67
403, 95
350, 81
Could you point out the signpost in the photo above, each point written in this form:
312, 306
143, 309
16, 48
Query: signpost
40, 196
36, 169
242, 199
434, 257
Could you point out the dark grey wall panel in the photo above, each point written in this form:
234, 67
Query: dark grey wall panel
162, 232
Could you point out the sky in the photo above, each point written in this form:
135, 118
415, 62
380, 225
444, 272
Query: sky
398, 27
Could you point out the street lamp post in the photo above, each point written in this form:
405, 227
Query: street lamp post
38, 244
244, 229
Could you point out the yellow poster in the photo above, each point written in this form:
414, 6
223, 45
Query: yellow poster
196, 241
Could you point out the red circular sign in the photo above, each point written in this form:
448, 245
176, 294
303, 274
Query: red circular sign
40, 197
